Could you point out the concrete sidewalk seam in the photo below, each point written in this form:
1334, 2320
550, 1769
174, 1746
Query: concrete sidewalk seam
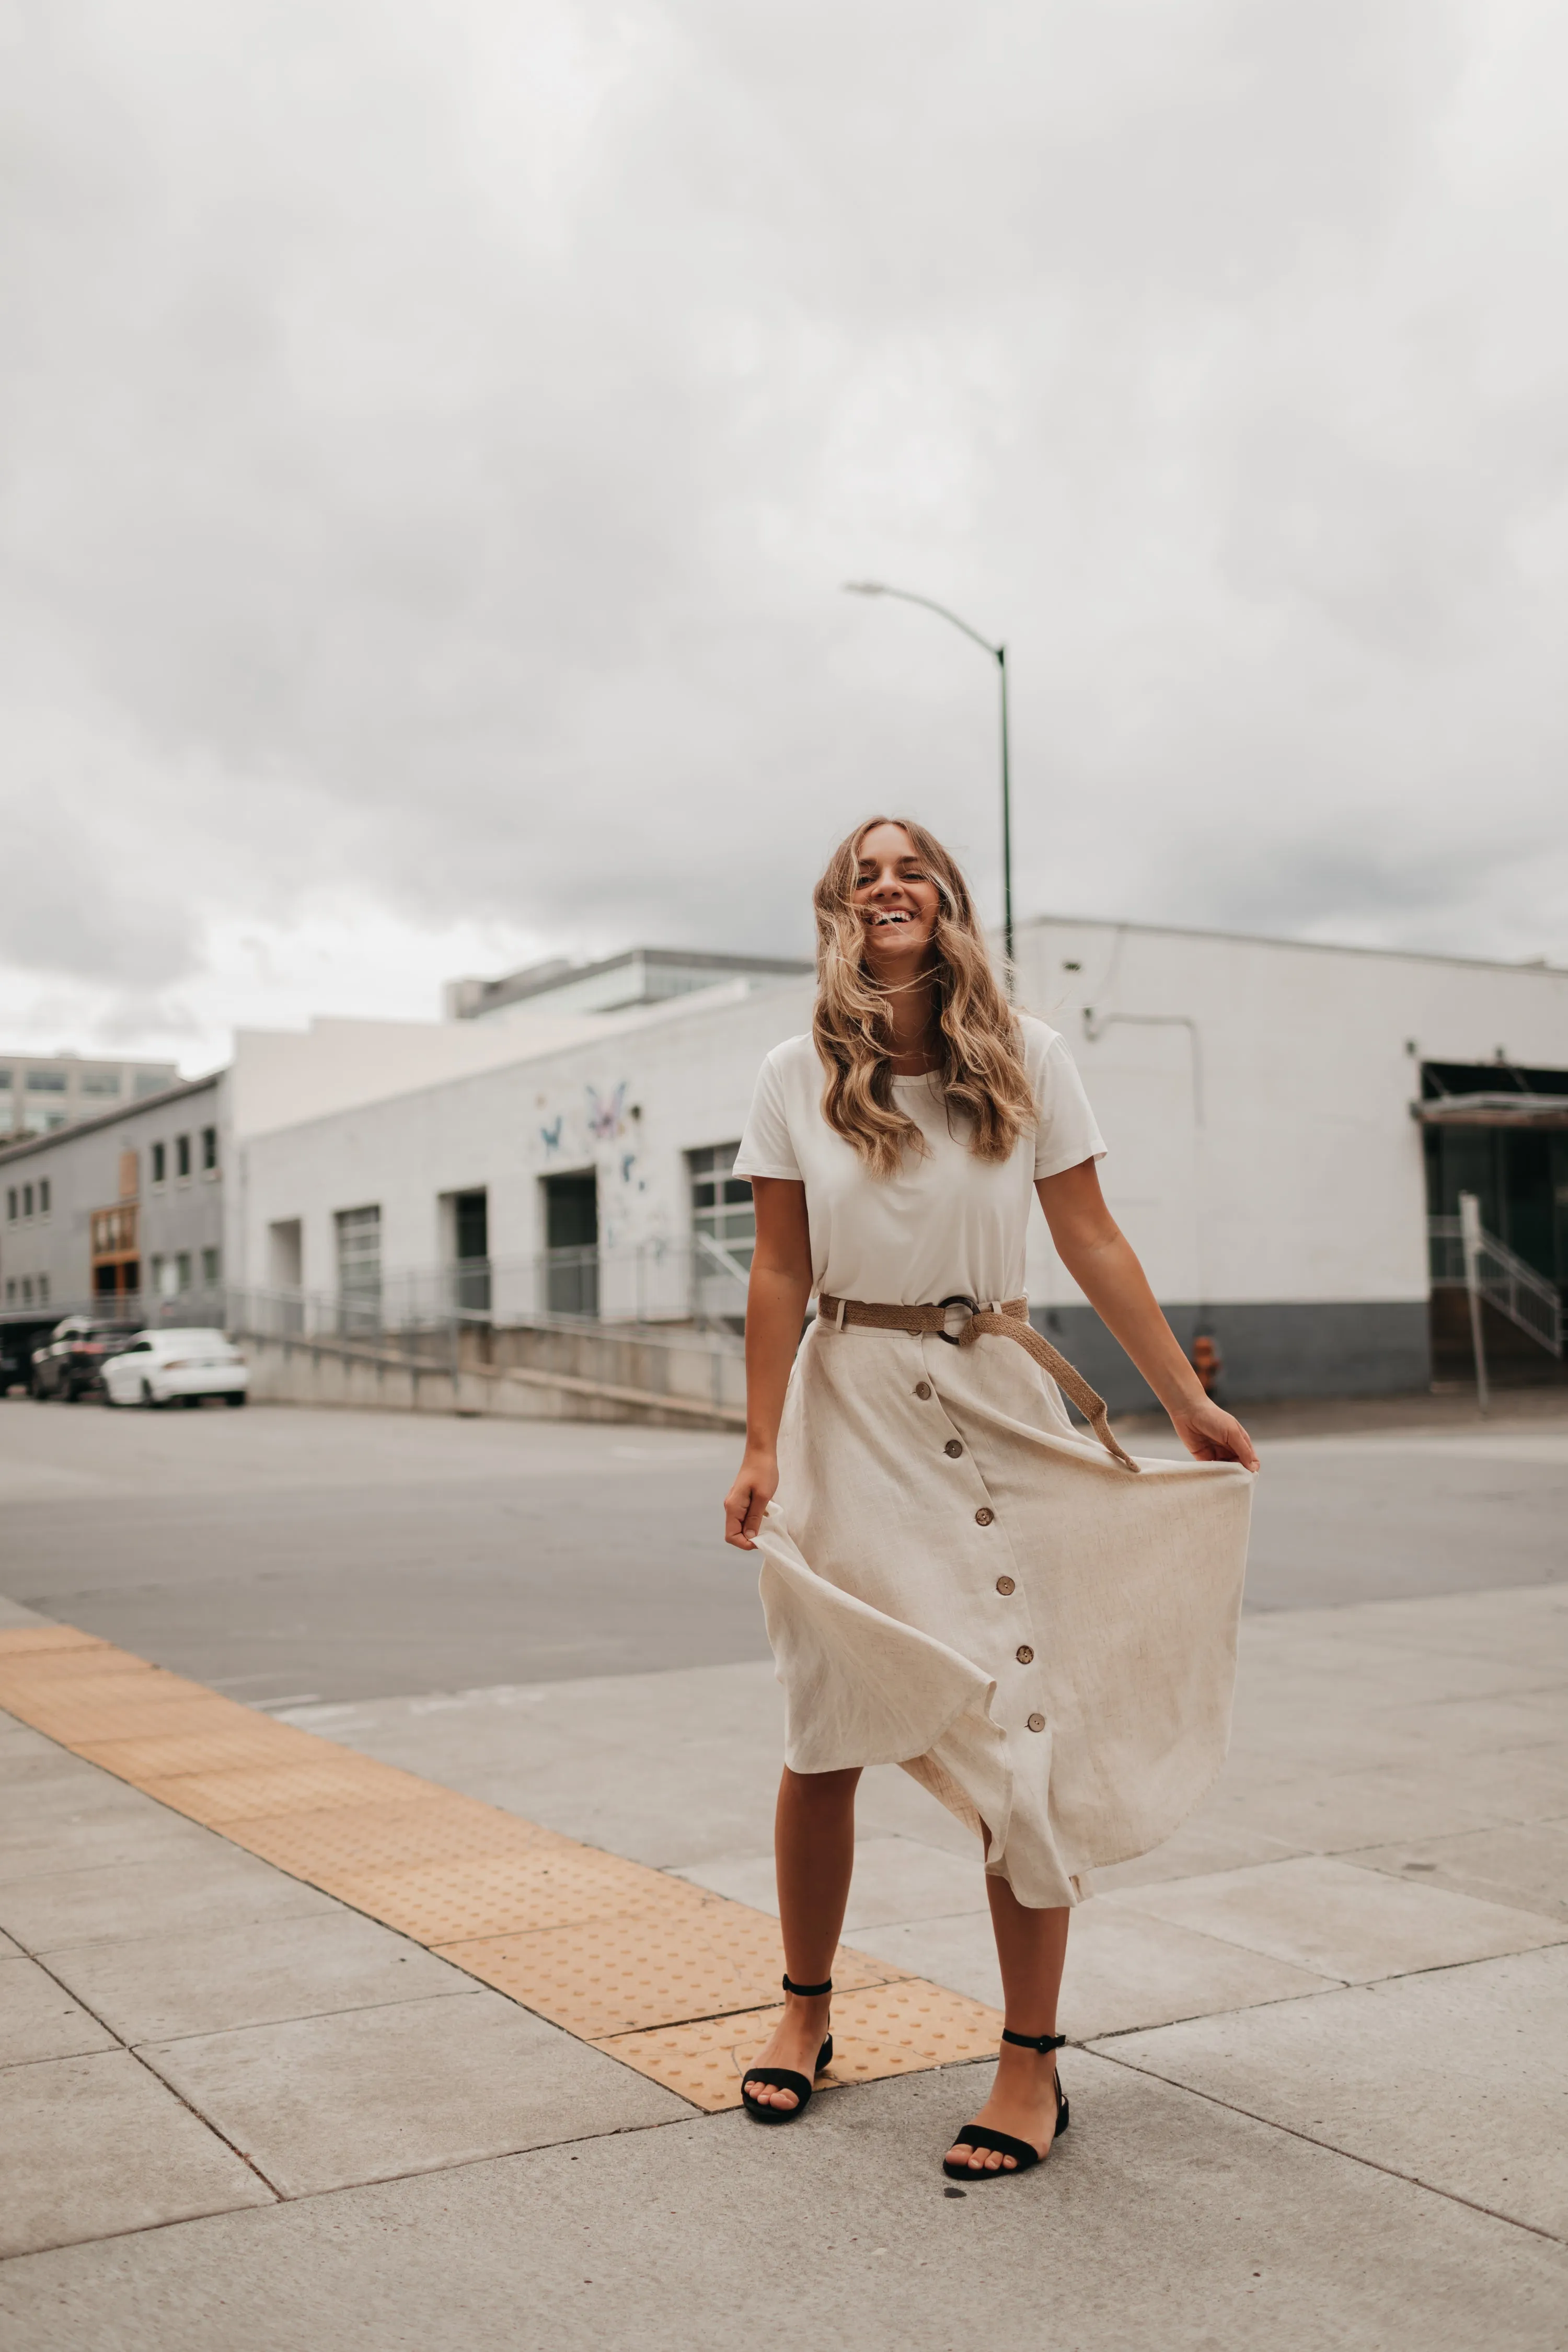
130, 2051
1327, 2146
312, 2196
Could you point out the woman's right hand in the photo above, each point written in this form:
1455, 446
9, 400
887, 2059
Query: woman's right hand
756, 1483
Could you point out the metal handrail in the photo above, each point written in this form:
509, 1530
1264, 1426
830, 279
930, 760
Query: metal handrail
1505, 1280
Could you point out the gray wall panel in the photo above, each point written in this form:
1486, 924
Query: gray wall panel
1339, 1347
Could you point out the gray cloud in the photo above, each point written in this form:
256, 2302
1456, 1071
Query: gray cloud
433, 439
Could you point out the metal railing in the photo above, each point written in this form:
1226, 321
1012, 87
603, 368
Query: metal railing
201, 1308
417, 1327
680, 1292
1502, 1278
692, 1281
695, 1282
485, 1328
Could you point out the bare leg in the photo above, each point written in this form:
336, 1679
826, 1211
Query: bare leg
814, 1851
1031, 1947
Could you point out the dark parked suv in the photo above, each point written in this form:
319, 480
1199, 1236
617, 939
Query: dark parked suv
70, 1361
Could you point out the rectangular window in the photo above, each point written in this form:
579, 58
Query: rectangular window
723, 1219
4, 1082
26, 1290
182, 1155
155, 1265
11, 1204
183, 1270
27, 1200
100, 1082
43, 1289
42, 1118
44, 1197
159, 1161
45, 1082
112, 1232
212, 1268
10, 1293
359, 1266
149, 1083
209, 1150
723, 1233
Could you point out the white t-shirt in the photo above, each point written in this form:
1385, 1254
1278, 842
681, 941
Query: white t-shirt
947, 1224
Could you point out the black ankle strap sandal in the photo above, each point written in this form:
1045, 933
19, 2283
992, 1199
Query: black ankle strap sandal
980, 2136
784, 2078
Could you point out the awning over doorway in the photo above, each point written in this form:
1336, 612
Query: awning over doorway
1500, 1110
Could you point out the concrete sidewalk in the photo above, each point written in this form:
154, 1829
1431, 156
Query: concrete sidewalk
1321, 2104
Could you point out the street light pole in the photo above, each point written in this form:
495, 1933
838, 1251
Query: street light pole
999, 655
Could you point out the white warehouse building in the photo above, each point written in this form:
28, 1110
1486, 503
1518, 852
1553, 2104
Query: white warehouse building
1283, 1121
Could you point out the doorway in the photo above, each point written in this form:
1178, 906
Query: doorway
466, 1218
572, 1242
1500, 1132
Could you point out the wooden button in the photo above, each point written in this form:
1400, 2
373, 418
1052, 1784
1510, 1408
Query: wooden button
982, 1516
1024, 1655
922, 1389
1005, 1584
1036, 1723
952, 1449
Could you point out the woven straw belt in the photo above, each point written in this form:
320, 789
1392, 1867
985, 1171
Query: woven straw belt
1010, 1319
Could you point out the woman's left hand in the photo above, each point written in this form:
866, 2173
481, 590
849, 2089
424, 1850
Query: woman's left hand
1215, 1435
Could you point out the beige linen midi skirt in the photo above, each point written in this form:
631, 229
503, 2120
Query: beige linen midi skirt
958, 1580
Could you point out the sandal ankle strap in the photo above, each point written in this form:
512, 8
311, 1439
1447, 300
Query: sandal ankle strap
1044, 2042
807, 1992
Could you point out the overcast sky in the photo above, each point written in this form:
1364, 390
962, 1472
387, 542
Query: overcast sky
432, 437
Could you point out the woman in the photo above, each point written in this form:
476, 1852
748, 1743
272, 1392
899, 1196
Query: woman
956, 1578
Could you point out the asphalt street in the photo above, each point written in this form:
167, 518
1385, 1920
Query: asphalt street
283, 1555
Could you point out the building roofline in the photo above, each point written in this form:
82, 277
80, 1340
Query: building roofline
1539, 969
28, 1145
628, 1020
558, 972
79, 1061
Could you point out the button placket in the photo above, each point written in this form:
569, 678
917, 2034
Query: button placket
1006, 1586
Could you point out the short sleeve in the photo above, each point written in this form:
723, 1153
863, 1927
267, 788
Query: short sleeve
1067, 1133
765, 1147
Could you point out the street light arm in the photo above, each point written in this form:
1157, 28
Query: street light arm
906, 596
999, 655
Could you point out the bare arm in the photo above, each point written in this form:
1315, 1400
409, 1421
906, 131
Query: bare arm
1101, 1260
776, 1300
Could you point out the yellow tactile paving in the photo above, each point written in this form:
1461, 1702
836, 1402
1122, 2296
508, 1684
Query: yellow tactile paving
551, 1883
384, 1828
903, 2027
255, 1793
63, 1679
25, 1640
221, 1745
87, 1712
672, 1980
610, 1976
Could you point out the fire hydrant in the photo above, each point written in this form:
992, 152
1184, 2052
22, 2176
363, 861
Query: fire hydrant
1207, 1362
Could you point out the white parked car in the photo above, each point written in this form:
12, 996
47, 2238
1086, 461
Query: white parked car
176, 1368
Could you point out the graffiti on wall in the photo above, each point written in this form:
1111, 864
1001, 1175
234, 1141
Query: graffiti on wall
569, 1135
606, 1113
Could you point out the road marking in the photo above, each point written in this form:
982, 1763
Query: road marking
675, 1981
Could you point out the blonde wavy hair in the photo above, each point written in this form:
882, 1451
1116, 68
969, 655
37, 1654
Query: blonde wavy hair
982, 1071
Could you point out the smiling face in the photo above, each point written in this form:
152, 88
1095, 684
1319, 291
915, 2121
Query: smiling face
897, 901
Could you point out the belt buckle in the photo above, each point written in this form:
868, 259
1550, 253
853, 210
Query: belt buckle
958, 1299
